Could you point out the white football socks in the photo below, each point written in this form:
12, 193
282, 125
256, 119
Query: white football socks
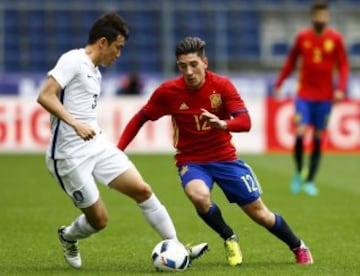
158, 217
154, 212
79, 229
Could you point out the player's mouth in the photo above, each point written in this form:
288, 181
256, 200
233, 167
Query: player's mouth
191, 80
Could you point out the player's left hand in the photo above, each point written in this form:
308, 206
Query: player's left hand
338, 96
212, 120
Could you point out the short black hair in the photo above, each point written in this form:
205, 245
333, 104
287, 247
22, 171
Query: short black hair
318, 5
109, 25
190, 45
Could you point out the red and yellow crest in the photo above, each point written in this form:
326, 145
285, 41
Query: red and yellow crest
329, 45
215, 100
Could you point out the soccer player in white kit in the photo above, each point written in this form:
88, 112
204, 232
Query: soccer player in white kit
79, 154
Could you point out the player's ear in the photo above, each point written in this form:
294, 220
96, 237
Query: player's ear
102, 42
206, 62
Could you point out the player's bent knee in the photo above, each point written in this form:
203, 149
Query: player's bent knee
199, 199
264, 217
201, 202
142, 192
99, 223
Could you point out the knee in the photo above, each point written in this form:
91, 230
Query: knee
201, 201
143, 192
99, 222
264, 217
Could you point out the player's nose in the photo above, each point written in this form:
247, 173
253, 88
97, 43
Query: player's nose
189, 70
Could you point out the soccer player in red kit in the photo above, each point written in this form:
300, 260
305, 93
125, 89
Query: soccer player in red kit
320, 50
205, 107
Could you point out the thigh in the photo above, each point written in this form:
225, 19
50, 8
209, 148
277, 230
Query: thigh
197, 184
193, 172
132, 184
110, 163
78, 182
114, 168
302, 112
238, 181
321, 114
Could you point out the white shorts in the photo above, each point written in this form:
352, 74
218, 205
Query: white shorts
78, 176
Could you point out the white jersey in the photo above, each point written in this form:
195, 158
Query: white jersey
81, 83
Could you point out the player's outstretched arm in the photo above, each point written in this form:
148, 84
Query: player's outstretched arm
131, 130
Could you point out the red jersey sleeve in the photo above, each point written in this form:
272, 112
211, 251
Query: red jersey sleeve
157, 105
343, 65
240, 123
235, 106
155, 108
131, 129
289, 64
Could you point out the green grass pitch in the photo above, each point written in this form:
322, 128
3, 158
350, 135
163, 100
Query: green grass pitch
32, 207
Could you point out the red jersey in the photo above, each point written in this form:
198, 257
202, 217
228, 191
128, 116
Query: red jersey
195, 141
319, 56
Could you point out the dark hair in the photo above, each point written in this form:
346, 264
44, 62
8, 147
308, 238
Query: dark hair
109, 25
190, 45
318, 5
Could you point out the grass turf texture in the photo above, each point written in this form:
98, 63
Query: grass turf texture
32, 207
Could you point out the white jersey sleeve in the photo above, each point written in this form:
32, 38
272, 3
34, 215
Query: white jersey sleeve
65, 69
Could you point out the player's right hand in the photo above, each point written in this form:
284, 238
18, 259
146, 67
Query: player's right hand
85, 131
212, 119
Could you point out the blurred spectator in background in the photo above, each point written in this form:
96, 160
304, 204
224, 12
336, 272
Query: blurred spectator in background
131, 85
321, 50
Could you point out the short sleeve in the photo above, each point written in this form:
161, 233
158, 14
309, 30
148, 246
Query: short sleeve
65, 69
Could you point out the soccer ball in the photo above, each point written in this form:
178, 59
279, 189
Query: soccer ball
170, 255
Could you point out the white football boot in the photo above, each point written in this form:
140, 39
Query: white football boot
197, 250
70, 249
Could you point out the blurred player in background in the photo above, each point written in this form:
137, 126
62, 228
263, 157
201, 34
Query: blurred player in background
320, 50
205, 107
79, 154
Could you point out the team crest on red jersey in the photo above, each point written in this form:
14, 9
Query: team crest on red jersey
215, 100
329, 45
